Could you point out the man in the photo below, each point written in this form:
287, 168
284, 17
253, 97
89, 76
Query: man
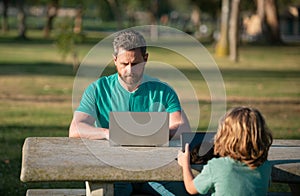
127, 90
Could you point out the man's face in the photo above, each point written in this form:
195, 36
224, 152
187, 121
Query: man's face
130, 66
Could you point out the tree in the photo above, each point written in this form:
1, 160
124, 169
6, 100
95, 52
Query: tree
4, 16
211, 7
52, 9
66, 40
115, 7
234, 30
267, 11
272, 21
21, 19
195, 18
78, 21
222, 45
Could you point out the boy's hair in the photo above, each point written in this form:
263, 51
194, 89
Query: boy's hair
244, 136
129, 40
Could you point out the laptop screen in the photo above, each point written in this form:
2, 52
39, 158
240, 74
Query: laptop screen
139, 129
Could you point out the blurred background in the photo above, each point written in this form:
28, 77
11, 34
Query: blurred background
257, 20
255, 44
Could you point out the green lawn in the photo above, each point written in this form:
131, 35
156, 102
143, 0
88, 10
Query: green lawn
36, 94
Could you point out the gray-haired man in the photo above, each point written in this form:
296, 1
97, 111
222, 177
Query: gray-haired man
128, 90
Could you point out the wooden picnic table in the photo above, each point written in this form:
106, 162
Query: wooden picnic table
47, 159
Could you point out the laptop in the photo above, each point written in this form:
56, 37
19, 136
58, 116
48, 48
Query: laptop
200, 146
139, 129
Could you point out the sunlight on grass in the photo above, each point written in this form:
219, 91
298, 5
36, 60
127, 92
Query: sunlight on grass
36, 92
253, 81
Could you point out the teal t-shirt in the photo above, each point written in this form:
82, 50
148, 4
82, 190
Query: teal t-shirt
226, 176
106, 94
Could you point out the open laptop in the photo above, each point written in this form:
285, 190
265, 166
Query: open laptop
200, 146
139, 129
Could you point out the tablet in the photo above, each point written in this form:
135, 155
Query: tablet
200, 146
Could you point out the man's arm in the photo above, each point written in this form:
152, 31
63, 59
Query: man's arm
178, 124
82, 126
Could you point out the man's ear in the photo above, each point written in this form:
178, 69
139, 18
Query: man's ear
146, 57
115, 58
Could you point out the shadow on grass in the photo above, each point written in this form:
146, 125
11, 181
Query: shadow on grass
16, 134
63, 69
259, 74
45, 68
238, 74
11, 141
41, 40
41, 68
31, 41
228, 73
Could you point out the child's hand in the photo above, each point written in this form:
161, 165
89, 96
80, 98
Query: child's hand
184, 161
184, 157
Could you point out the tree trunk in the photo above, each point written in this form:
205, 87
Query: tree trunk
21, 19
267, 11
272, 21
153, 9
234, 30
52, 9
78, 21
4, 17
260, 9
222, 45
195, 18
117, 12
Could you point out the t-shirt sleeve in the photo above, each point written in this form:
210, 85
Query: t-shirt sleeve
203, 182
88, 101
173, 101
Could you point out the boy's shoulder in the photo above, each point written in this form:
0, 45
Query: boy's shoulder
223, 162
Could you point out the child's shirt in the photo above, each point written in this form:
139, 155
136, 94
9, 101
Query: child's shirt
226, 176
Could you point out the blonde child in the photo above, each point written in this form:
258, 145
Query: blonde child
242, 143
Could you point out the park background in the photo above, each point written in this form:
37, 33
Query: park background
42, 43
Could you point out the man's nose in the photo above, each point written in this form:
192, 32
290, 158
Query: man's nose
129, 68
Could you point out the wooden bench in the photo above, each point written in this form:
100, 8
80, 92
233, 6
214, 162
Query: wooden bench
47, 159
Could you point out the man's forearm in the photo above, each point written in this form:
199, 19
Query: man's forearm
83, 130
179, 125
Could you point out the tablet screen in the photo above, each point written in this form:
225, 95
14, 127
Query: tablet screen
200, 146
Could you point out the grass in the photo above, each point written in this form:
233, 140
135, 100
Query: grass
36, 94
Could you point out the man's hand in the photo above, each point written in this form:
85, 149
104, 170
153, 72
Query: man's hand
106, 133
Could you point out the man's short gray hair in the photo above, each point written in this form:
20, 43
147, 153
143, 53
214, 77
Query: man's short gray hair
129, 40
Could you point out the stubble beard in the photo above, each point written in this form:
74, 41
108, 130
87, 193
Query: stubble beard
131, 80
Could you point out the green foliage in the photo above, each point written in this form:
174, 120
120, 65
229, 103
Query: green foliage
105, 11
66, 39
210, 6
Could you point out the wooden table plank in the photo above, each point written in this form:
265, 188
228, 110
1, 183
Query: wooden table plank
69, 159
